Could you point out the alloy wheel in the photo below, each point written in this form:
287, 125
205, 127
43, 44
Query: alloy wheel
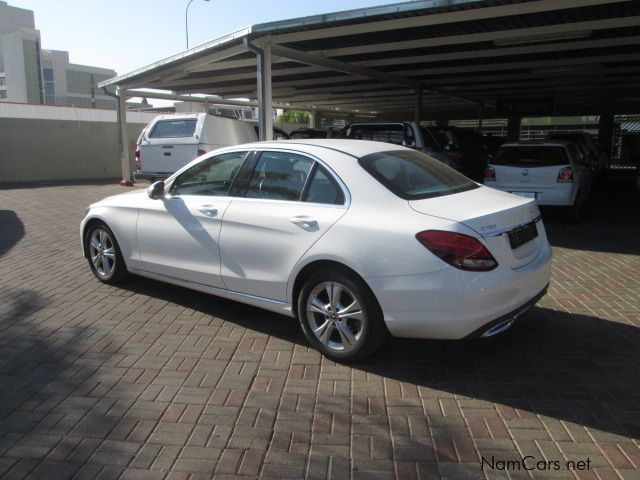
102, 252
335, 316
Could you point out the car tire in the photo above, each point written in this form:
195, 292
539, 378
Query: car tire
340, 316
104, 254
572, 213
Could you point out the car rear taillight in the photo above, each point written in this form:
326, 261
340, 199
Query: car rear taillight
565, 175
489, 174
461, 251
138, 162
201, 152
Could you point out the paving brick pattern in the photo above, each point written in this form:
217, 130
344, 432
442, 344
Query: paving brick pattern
150, 381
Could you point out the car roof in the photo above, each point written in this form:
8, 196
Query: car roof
378, 122
354, 148
178, 116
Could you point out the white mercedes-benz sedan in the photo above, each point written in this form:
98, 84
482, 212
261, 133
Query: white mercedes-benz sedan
355, 239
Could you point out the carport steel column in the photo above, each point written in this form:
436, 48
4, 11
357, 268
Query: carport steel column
127, 179
265, 99
417, 112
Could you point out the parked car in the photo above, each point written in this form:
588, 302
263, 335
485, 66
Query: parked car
552, 172
169, 142
355, 239
466, 148
407, 134
308, 133
599, 160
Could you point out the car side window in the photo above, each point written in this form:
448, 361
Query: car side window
279, 176
323, 188
212, 176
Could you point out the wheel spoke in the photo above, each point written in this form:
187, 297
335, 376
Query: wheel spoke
352, 311
103, 235
105, 265
95, 243
326, 334
96, 261
336, 291
322, 329
347, 336
110, 253
316, 305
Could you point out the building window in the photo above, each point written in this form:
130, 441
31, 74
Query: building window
49, 90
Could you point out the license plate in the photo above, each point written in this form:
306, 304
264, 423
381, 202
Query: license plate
525, 194
523, 234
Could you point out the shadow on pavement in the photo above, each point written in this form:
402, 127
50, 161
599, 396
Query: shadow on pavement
569, 367
12, 230
610, 221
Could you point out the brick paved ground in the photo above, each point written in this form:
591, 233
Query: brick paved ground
151, 381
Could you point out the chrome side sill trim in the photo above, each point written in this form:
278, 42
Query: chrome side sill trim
217, 289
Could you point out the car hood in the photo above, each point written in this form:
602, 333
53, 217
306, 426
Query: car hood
129, 198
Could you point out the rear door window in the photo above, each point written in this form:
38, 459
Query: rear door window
323, 188
531, 156
174, 128
413, 176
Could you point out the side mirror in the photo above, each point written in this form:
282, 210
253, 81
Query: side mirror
156, 190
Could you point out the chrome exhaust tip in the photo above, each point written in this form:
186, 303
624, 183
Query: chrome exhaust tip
499, 328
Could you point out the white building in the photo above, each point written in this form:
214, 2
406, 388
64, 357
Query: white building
29, 74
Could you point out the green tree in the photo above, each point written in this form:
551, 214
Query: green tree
293, 116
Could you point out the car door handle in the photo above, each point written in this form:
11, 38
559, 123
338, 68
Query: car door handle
304, 221
209, 210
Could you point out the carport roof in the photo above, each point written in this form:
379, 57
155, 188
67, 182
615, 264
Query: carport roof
575, 56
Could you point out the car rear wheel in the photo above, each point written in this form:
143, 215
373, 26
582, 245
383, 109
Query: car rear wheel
103, 253
340, 316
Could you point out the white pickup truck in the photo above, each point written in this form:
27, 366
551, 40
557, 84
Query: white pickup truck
171, 141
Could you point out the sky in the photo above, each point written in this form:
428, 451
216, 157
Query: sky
128, 34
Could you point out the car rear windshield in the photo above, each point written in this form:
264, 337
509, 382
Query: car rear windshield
413, 175
174, 128
530, 156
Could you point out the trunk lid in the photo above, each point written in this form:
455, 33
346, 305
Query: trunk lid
526, 179
492, 214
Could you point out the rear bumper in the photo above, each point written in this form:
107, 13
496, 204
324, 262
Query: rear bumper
504, 322
558, 195
453, 304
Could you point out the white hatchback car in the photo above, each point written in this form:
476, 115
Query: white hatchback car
356, 239
554, 172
